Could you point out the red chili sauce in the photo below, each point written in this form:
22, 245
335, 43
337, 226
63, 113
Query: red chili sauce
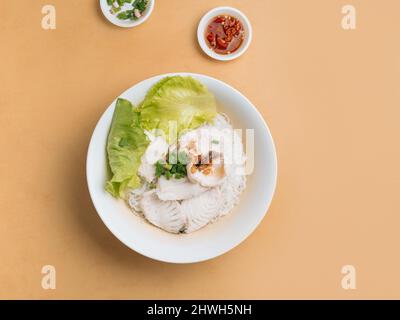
224, 34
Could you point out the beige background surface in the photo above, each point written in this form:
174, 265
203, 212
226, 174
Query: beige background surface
330, 97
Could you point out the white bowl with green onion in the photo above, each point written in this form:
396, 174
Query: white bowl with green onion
127, 13
223, 234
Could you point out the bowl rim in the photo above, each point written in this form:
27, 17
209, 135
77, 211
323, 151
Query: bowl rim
117, 22
266, 204
203, 24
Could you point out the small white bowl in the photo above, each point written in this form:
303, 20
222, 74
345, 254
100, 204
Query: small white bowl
105, 8
201, 30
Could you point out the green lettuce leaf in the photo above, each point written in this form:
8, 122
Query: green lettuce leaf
125, 146
181, 99
154, 89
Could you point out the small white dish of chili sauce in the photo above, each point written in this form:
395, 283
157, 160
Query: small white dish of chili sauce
224, 33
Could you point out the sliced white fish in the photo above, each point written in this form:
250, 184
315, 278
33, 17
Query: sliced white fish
202, 140
201, 210
147, 171
157, 150
177, 189
134, 197
163, 214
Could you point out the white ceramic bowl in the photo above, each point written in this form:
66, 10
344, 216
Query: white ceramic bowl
214, 239
201, 30
105, 8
